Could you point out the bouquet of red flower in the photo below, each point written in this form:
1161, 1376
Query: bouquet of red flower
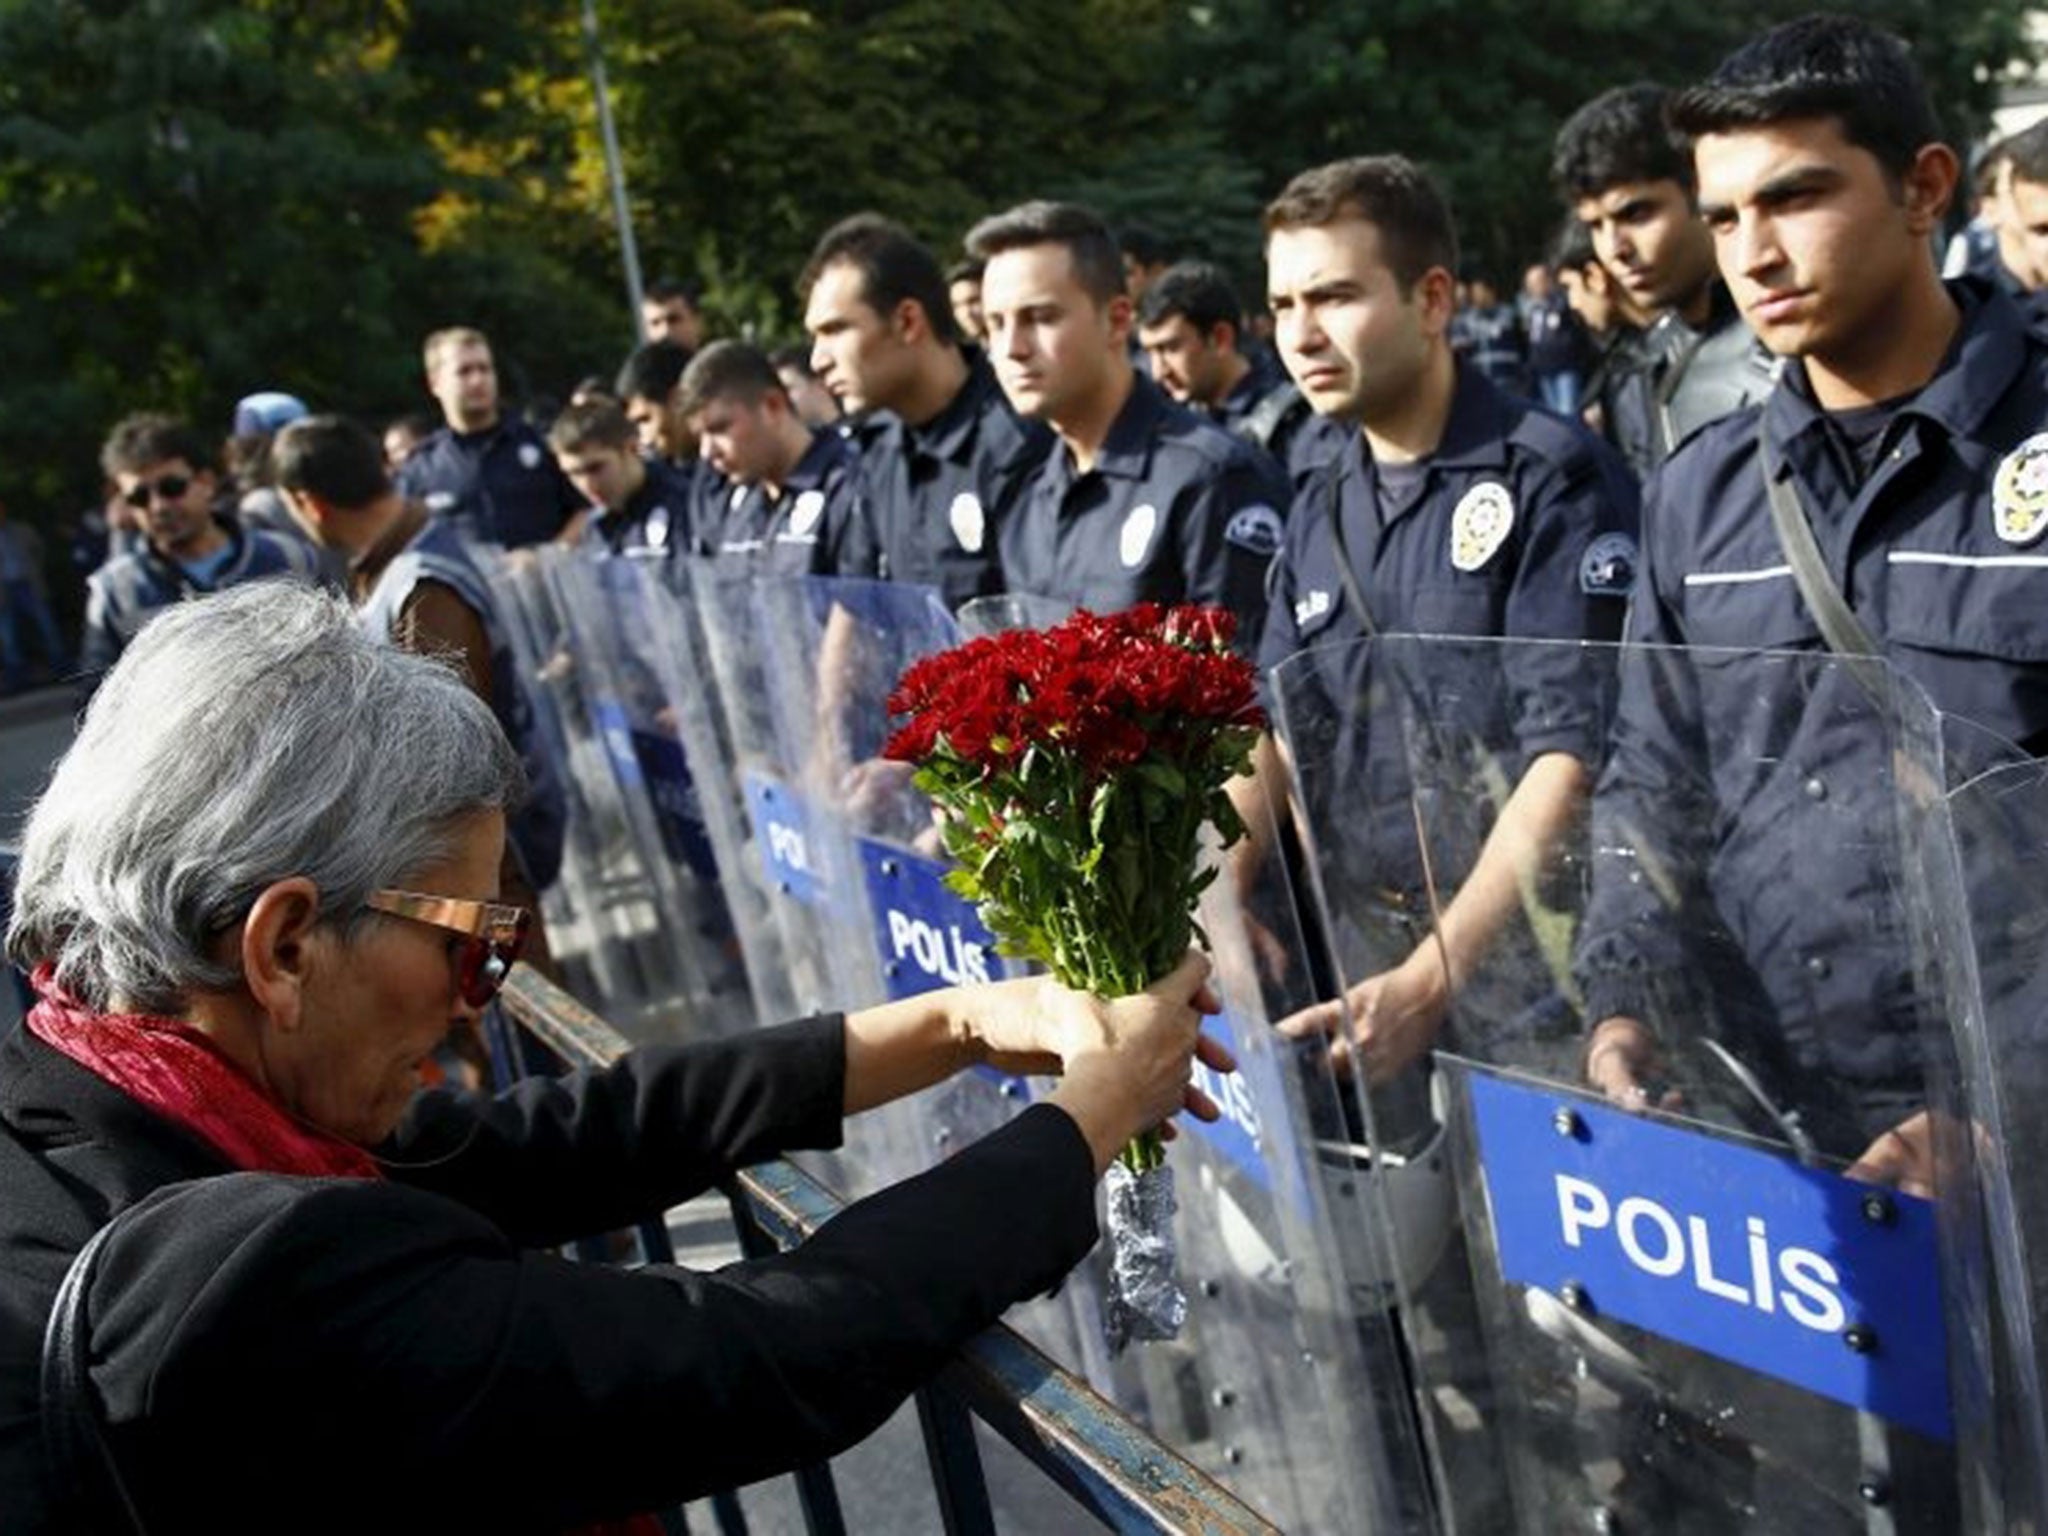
1078, 766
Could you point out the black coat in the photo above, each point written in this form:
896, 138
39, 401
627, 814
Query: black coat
276, 1352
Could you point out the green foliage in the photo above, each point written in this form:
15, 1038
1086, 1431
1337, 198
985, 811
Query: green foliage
199, 198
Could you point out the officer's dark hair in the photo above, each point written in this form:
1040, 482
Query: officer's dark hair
796, 355
1819, 66
1389, 192
967, 270
597, 422
1619, 136
728, 370
652, 371
1144, 245
1098, 263
150, 437
1198, 292
333, 458
2027, 153
1571, 249
893, 265
662, 289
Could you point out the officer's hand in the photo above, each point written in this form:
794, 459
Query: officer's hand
1622, 1063
1268, 949
872, 792
1903, 1157
1395, 1017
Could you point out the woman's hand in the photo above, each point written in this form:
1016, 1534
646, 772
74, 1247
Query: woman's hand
1128, 1064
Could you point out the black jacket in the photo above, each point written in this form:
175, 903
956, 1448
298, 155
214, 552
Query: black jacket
275, 1352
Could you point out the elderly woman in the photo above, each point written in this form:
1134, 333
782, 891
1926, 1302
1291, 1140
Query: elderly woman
257, 891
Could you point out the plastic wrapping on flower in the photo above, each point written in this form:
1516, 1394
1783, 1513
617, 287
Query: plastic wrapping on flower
1144, 1299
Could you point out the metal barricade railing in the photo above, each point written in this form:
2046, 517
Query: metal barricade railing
1108, 1465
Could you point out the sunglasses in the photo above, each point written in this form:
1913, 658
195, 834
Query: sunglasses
169, 487
493, 935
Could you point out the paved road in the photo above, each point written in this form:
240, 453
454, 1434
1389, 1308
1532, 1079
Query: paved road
34, 729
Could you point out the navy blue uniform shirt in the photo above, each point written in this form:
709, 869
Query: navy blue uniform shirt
1521, 525
1768, 797
938, 494
656, 520
1174, 510
500, 486
813, 526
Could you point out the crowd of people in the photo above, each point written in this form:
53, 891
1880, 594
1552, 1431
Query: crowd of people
1739, 404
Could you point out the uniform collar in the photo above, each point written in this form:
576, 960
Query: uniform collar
827, 448
1127, 451
1259, 381
1673, 330
950, 434
1983, 360
1476, 431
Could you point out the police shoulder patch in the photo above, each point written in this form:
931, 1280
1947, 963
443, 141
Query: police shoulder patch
969, 522
1255, 528
2019, 492
1480, 524
1608, 568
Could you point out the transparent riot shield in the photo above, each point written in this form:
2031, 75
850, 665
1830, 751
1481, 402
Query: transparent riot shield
2001, 826
780, 897
836, 649
604, 912
623, 630
1698, 1300
1277, 1386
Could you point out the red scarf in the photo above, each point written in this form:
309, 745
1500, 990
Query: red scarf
175, 1070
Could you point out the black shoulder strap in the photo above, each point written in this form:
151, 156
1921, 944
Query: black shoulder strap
1844, 632
82, 1470
1354, 589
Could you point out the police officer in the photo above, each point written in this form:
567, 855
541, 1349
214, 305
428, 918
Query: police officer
948, 456
640, 506
1624, 175
1139, 499
487, 473
413, 583
646, 391
164, 470
1189, 323
1453, 510
1886, 495
783, 498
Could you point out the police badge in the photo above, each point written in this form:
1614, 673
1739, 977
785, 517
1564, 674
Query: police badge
1480, 524
2019, 492
1136, 536
969, 524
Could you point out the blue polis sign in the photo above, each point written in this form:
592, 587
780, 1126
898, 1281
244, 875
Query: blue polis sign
926, 936
1790, 1271
781, 835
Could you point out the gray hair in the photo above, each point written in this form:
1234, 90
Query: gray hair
243, 739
